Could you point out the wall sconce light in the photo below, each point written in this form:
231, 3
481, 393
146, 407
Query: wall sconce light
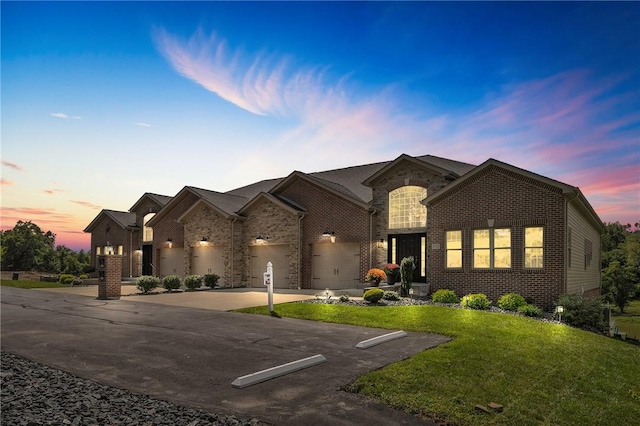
559, 310
205, 239
381, 244
260, 239
332, 235
108, 249
326, 234
169, 240
490, 222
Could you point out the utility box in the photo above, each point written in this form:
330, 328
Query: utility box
109, 279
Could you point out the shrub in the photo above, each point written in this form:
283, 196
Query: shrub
390, 295
530, 310
87, 269
477, 301
211, 280
407, 266
582, 312
373, 295
76, 281
193, 281
171, 282
445, 296
511, 301
147, 283
66, 278
83, 277
344, 298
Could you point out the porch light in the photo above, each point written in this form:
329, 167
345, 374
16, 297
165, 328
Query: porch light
261, 239
327, 234
204, 239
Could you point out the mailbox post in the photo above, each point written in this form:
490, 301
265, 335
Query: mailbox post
268, 281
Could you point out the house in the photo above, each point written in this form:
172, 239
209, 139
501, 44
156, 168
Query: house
492, 228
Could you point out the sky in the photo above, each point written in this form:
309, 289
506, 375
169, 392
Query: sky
104, 101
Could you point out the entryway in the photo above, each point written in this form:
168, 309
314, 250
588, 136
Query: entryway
404, 245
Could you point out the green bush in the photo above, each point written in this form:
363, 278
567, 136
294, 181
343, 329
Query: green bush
445, 296
147, 283
530, 310
373, 295
171, 282
66, 278
76, 281
193, 281
344, 298
211, 280
477, 301
511, 301
391, 295
582, 312
83, 277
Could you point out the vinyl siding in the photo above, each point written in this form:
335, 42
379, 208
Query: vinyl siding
577, 274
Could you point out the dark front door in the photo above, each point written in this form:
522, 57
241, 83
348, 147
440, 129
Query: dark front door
147, 259
408, 245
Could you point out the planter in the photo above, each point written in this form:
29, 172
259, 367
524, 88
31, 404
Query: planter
391, 279
375, 283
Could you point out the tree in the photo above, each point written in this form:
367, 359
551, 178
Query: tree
26, 247
619, 284
407, 267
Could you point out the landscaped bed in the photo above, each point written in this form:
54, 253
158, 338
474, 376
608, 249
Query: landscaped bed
541, 372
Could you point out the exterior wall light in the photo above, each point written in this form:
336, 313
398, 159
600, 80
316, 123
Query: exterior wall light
326, 234
261, 239
108, 249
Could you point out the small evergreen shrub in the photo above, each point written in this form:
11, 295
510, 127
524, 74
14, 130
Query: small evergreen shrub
477, 301
66, 278
193, 281
582, 312
373, 295
83, 277
344, 298
171, 282
147, 283
211, 280
445, 296
390, 295
530, 310
76, 281
511, 301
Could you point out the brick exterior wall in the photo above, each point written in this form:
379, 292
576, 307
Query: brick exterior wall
513, 201
271, 220
169, 227
328, 211
403, 174
108, 231
109, 284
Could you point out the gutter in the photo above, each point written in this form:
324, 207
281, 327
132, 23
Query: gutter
374, 211
231, 250
300, 250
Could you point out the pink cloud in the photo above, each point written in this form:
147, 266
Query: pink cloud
14, 166
5, 182
86, 204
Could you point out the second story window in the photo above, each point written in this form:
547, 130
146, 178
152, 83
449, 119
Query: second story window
405, 210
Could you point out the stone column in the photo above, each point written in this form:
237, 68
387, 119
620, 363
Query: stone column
109, 273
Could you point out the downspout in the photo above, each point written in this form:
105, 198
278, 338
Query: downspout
231, 249
300, 250
130, 253
374, 211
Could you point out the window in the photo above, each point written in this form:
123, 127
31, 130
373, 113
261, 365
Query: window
423, 256
393, 250
405, 210
492, 248
454, 249
98, 251
120, 250
147, 231
533, 247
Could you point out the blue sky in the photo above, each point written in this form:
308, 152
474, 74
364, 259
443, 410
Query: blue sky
102, 102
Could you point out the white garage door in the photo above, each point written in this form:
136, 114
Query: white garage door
279, 256
336, 265
171, 261
207, 260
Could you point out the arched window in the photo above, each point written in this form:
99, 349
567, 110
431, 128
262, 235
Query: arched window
405, 210
147, 231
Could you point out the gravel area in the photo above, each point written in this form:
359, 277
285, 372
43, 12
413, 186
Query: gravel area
34, 394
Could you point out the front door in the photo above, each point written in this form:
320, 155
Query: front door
147, 259
404, 245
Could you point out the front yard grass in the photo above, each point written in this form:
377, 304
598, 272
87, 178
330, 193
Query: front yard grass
542, 373
30, 284
629, 322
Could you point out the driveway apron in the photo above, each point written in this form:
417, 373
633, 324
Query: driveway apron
190, 356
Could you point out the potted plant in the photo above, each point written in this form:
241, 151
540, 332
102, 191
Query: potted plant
374, 276
393, 271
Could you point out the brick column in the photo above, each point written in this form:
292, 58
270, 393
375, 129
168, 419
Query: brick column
110, 271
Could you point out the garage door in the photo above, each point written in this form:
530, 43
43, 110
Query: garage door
207, 260
171, 261
279, 256
336, 265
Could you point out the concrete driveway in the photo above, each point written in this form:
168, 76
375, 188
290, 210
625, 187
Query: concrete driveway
217, 300
191, 356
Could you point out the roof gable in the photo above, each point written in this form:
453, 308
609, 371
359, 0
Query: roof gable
159, 200
271, 198
124, 220
436, 165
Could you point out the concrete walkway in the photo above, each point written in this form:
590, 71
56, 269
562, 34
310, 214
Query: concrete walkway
191, 356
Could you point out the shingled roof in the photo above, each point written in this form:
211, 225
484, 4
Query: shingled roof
124, 220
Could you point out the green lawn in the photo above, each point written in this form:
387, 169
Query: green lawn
629, 322
30, 284
541, 373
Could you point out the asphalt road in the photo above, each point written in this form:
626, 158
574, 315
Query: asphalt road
190, 356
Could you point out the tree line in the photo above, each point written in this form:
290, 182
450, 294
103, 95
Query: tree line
27, 248
621, 263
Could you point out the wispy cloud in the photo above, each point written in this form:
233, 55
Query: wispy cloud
53, 191
14, 166
63, 115
86, 204
5, 182
573, 126
143, 124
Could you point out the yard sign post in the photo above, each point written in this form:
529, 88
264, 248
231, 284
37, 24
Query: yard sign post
268, 281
